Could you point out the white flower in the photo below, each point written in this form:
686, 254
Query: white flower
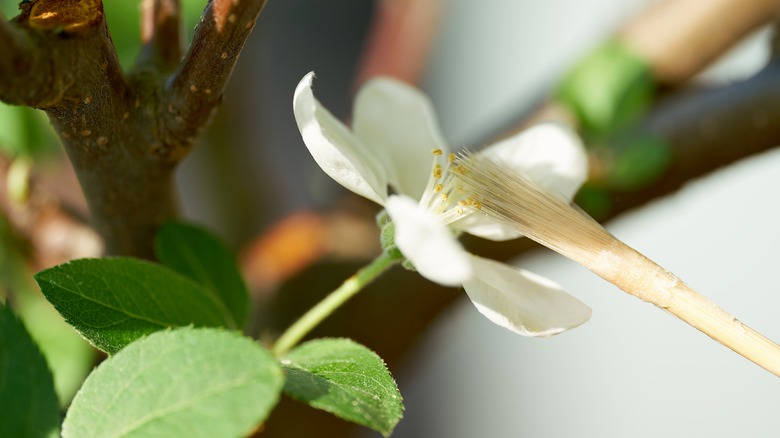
395, 142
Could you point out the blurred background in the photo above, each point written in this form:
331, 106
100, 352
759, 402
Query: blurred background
666, 98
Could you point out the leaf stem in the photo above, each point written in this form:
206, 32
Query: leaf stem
333, 301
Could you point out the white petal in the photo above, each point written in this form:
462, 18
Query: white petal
486, 227
521, 301
338, 152
428, 243
550, 154
399, 120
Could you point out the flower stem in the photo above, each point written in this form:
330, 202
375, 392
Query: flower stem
336, 299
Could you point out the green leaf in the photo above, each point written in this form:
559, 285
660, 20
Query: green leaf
28, 404
608, 89
113, 301
346, 379
69, 356
197, 254
186, 382
638, 162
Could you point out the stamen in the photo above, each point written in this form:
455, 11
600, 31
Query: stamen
437, 171
438, 152
437, 188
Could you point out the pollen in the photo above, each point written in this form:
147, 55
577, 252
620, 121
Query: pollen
437, 171
451, 158
438, 188
457, 169
438, 152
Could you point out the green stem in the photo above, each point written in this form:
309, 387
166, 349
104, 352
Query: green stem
336, 299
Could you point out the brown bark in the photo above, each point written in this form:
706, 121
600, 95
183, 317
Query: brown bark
123, 133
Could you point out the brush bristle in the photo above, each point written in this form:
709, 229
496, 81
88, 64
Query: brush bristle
537, 213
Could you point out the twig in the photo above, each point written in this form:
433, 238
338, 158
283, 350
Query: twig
23, 69
402, 33
711, 128
123, 134
198, 85
161, 34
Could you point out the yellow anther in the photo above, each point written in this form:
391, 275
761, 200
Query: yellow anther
444, 197
463, 203
457, 169
438, 152
438, 187
451, 158
437, 171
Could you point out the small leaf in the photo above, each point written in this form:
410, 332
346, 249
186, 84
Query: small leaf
185, 382
28, 403
113, 301
346, 379
197, 254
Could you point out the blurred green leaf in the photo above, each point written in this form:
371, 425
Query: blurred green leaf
199, 255
638, 162
595, 201
69, 356
346, 379
14, 274
123, 20
11, 130
25, 131
113, 301
182, 383
28, 404
607, 89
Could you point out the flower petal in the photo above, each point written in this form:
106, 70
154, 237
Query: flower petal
399, 120
337, 151
521, 301
486, 227
549, 154
427, 242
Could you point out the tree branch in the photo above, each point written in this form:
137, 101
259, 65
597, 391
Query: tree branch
399, 40
676, 36
107, 128
24, 68
161, 34
712, 128
124, 135
196, 89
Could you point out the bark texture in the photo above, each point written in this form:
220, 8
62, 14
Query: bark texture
124, 132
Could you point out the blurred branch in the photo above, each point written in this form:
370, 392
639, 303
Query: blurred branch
711, 128
198, 85
161, 34
52, 233
681, 37
400, 38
